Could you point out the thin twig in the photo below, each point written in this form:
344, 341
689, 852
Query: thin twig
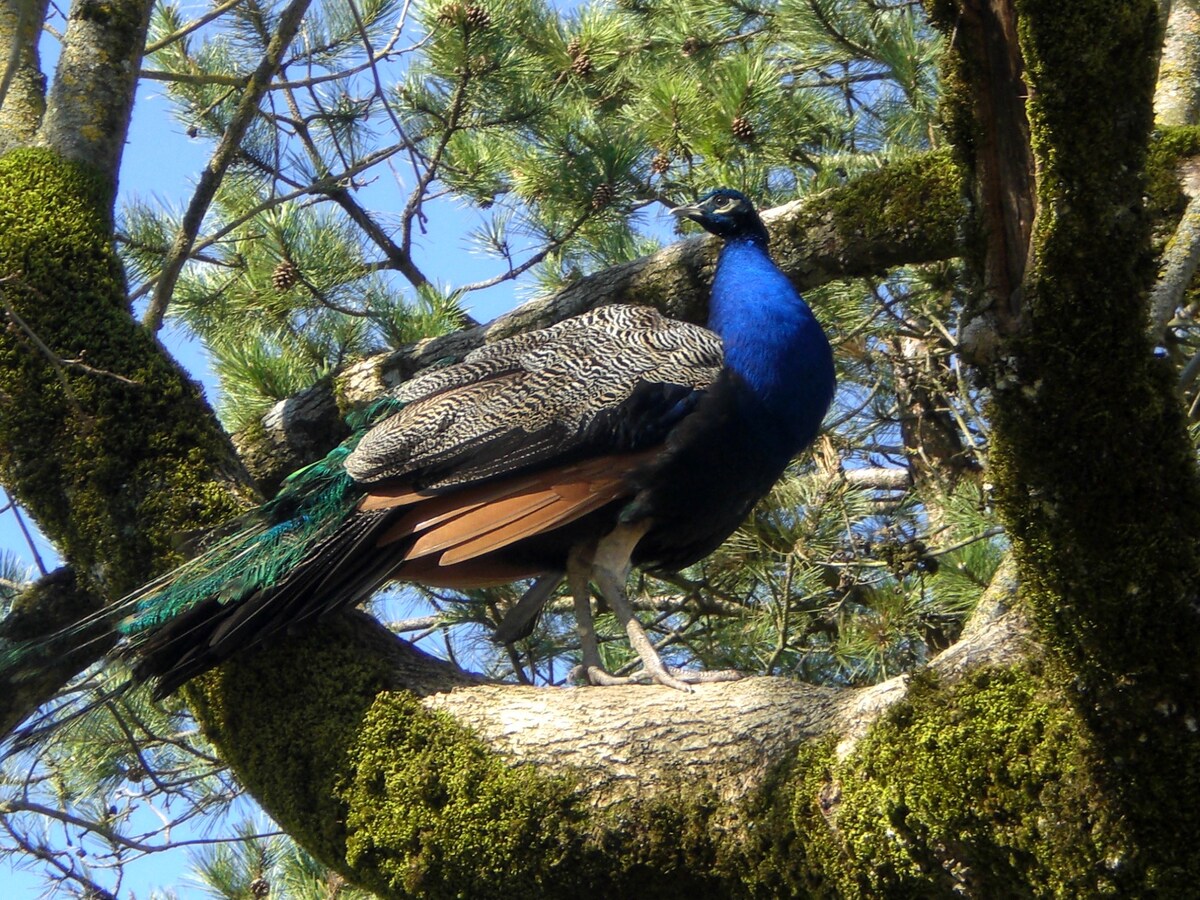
516, 271
223, 156
37, 557
191, 26
57, 361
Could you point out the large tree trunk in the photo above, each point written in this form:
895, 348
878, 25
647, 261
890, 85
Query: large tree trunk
102, 436
1059, 762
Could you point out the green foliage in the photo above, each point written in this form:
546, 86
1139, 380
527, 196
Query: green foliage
559, 129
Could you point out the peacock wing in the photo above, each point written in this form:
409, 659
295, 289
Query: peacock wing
613, 380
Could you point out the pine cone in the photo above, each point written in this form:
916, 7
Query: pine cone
690, 45
478, 17
574, 47
286, 274
603, 195
742, 130
582, 65
260, 887
452, 13
660, 163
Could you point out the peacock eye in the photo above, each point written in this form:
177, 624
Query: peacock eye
726, 206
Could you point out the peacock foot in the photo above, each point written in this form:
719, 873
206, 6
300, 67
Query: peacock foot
669, 676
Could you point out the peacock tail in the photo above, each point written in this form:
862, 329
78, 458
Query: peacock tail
311, 506
265, 545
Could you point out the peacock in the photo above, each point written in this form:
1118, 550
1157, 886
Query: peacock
613, 439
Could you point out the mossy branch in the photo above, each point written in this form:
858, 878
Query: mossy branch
413, 780
115, 458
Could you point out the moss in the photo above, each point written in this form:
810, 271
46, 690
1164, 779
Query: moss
407, 803
431, 812
1107, 536
988, 788
117, 456
922, 194
1033, 821
1170, 147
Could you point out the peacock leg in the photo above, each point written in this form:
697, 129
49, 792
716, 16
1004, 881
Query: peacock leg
610, 568
590, 669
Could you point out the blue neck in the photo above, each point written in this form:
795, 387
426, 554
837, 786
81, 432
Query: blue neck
772, 341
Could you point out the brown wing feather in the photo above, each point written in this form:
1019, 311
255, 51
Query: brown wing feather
431, 507
387, 496
560, 512
481, 520
474, 573
473, 522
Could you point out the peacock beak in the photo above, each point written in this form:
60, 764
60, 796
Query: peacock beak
691, 211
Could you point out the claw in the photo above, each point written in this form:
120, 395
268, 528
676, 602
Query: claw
608, 563
672, 677
714, 676
599, 677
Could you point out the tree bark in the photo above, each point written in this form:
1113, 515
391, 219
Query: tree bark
22, 85
1177, 95
91, 98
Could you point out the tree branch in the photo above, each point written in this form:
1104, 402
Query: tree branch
1177, 93
22, 85
534, 775
92, 96
994, 123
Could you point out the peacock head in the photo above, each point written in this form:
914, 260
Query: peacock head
726, 213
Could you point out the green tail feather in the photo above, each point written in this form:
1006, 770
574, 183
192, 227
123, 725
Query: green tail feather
311, 505
270, 540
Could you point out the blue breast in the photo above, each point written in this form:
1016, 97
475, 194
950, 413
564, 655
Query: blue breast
774, 343
766, 407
